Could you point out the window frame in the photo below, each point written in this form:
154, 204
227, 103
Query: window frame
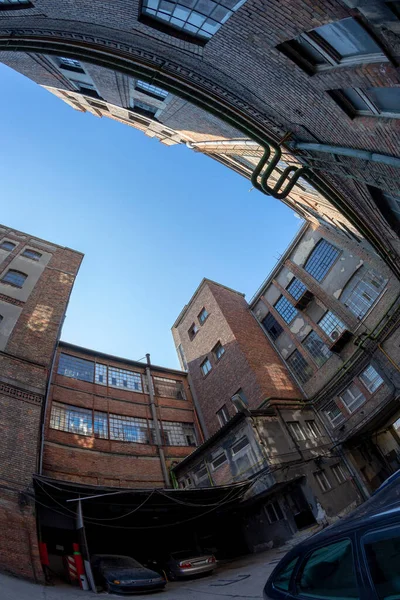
206, 360
310, 425
377, 377
341, 416
319, 358
223, 415
15, 285
323, 473
14, 245
151, 90
218, 346
289, 361
193, 331
269, 333
38, 254
339, 467
220, 455
200, 317
282, 300
330, 249
297, 431
235, 453
355, 399
339, 96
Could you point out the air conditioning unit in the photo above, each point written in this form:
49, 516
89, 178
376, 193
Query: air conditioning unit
304, 300
339, 339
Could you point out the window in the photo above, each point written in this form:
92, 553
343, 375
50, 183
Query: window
313, 429
334, 414
389, 206
218, 461
101, 374
129, 429
299, 366
86, 88
32, 254
202, 316
352, 397
240, 445
8, 246
182, 357
71, 64
201, 474
14, 278
339, 473
322, 480
321, 259
362, 291
71, 419
341, 43
271, 326
282, 579
382, 549
205, 367
169, 388
192, 331
329, 573
1, 318
296, 430
331, 324
100, 425
376, 102
286, 310
274, 511
142, 108
241, 397
296, 288
77, 368
317, 348
218, 350
151, 90
124, 379
223, 415
178, 434
197, 18
99, 105
371, 379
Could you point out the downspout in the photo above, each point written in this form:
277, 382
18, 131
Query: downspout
385, 159
157, 434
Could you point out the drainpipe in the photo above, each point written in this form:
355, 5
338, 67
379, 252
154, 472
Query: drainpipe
351, 152
156, 424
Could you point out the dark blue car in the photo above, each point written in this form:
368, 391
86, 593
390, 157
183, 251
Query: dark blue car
357, 557
124, 575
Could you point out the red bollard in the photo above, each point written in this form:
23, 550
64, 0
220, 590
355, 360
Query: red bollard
78, 562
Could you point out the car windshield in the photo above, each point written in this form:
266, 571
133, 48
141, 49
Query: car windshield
120, 562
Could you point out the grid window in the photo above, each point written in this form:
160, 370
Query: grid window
300, 366
362, 291
71, 419
352, 397
32, 254
169, 388
203, 316
376, 102
317, 348
296, 430
205, 367
331, 324
339, 473
153, 90
223, 415
179, 434
197, 18
313, 430
15, 278
193, 331
121, 378
8, 246
100, 425
272, 327
274, 511
321, 259
296, 288
322, 480
334, 414
240, 445
371, 379
286, 310
144, 108
77, 368
101, 374
218, 461
129, 429
71, 64
218, 350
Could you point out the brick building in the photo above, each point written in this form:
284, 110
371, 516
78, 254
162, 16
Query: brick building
321, 79
36, 280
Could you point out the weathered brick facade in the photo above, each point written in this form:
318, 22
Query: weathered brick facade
249, 362
28, 339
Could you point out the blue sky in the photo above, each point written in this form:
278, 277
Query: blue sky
152, 221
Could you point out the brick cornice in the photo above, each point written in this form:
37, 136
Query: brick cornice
10, 300
20, 394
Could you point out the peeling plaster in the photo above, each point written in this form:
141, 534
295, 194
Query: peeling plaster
297, 324
343, 258
342, 270
302, 251
337, 293
285, 352
289, 275
360, 264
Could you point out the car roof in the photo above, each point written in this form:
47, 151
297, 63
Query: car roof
382, 506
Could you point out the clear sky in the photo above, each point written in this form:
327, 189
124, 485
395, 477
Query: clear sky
152, 221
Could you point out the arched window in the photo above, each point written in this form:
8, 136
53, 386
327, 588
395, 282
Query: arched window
362, 291
15, 278
8, 246
321, 259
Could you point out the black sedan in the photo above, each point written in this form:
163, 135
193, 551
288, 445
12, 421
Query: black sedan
356, 558
124, 575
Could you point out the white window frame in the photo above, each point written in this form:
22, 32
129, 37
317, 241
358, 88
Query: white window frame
374, 383
207, 370
223, 415
313, 429
241, 449
297, 430
216, 458
339, 473
322, 480
355, 396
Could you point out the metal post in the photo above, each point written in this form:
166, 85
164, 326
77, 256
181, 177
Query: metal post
80, 526
157, 433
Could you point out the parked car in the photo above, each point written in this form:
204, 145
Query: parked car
387, 481
357, 557
124, 575
188, 563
